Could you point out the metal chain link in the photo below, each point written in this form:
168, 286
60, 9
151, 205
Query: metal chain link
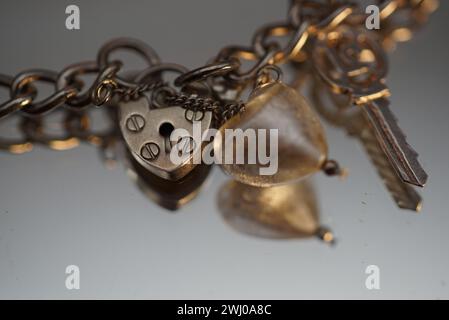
221, 111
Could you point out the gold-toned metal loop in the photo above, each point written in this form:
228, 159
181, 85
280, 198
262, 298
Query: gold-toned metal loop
104, 92
140, 47
68, 77
323, 16
105, 84
58, 98
242, 53
333, 20
292, 50
210, 70
268, 74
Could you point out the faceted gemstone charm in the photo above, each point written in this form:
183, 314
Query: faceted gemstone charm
301, 141
280, 212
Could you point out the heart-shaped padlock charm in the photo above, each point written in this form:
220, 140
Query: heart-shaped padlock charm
153, 140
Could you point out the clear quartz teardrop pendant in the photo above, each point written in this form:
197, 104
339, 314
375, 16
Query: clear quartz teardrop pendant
301, 141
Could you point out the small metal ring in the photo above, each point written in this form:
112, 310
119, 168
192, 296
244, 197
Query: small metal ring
105, 84
56, 99
273, 69
69, 75
210, 70
103, 92
140, 47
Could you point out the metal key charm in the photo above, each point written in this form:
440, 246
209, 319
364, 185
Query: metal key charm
341, 114
393, 141
148, 134
352, 63
404, 195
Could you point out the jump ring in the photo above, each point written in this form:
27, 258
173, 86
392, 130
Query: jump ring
105, 84
273, 70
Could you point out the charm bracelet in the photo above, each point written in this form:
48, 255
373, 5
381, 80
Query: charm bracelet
325, 42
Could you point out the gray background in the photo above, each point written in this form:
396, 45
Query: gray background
61, 208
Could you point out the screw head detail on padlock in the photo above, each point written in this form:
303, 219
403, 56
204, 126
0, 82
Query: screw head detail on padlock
148, 135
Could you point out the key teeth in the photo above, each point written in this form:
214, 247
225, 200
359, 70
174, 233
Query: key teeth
403, 194
403, 157
419, 175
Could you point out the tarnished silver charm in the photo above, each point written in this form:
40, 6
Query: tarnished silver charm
148, 133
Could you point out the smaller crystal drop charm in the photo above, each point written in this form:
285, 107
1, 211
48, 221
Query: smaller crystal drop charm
298, 150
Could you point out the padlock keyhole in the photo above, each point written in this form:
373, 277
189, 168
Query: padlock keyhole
166, 129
